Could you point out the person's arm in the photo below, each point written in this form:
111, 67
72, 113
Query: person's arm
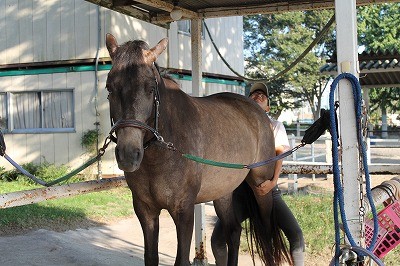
268, 185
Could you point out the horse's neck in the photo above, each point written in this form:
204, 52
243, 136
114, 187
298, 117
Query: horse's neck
174, 105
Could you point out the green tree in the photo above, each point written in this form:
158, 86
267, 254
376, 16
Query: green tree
273, 42
378, 30
378, 27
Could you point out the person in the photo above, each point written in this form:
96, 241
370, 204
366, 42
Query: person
285, 218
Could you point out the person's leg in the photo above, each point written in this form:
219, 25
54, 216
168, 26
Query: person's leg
290, 227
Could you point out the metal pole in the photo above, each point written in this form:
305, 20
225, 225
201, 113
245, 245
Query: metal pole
200, 234
347, 58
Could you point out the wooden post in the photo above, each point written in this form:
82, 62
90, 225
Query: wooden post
200, 233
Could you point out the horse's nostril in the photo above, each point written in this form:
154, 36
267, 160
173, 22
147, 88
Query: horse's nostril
128, 153
136, 154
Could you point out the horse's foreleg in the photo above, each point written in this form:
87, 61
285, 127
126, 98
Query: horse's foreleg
149, 220
184, 221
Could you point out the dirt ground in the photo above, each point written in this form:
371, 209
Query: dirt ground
121, 242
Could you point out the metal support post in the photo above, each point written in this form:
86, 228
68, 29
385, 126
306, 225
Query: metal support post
347, 59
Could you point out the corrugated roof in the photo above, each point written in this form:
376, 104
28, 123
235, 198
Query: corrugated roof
377, 68
158, 11
378, 72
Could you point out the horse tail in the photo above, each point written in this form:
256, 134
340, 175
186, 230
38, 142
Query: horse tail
267, 241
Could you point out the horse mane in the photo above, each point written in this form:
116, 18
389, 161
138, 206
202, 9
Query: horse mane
166, 75
129, 48
135, 47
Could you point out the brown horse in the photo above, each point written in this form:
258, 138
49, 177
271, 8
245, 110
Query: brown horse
148, 109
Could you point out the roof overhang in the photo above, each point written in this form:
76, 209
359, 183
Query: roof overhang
377, 69
158, 11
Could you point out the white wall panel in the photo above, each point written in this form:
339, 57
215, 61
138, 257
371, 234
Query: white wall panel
3, 32
82, 36
25, 17
12, 34
39, 26
67, 34
53, 29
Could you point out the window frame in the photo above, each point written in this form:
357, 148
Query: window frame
9, 114
189, 26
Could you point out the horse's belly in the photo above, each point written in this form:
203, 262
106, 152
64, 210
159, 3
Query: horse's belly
219, 182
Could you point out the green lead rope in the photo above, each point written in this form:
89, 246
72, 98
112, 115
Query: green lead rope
214, 163
242, 166
74, 172
51, 183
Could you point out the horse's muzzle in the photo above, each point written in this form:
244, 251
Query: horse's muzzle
128, 158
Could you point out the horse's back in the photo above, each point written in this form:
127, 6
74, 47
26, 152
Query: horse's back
234, 130
241, 116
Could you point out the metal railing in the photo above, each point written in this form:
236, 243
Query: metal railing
316, 158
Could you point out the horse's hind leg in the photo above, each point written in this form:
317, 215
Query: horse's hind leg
218, 244
149, 220
184, 221
225, 239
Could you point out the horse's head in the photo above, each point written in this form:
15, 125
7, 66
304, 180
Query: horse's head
132, 85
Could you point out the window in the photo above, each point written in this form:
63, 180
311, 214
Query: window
185, 25
3, 111
37, 111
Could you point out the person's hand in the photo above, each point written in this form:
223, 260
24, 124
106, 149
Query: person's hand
263, 188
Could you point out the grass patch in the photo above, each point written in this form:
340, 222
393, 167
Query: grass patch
65, 213
315, 216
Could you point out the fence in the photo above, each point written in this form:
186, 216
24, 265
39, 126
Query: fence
315, 159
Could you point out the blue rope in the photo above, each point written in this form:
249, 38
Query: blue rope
338, 201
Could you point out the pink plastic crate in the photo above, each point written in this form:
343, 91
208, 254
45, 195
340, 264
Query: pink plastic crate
389, 230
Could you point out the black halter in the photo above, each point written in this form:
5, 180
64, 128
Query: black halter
138, 124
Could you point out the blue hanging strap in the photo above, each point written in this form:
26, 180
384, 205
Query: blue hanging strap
338, 201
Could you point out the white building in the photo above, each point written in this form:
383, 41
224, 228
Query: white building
52, 86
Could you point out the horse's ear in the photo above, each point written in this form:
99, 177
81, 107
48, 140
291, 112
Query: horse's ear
111, 44
154, 52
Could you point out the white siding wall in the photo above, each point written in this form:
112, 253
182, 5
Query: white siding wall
227, 33
211, 88
37, 31
59, 148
